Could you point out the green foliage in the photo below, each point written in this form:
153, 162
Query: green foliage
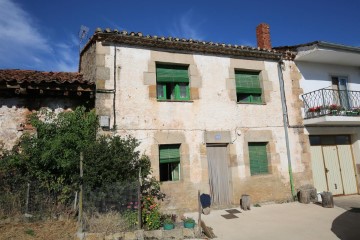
113, 159
150, 213
131, 218
30, 232
151, 187
51, 156
168, 218
189, 220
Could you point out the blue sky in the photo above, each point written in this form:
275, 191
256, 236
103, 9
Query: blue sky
43, 34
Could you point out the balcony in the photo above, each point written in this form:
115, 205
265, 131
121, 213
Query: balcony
332, 107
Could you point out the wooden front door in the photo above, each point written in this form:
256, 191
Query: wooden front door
218, 166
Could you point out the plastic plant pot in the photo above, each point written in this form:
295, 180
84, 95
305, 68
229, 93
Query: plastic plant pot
168, 226
189, 224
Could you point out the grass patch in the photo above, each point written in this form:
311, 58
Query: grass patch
30, 232
110, 222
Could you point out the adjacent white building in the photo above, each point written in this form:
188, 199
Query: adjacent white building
330, 79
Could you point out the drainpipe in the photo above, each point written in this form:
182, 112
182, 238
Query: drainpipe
285, 123
114, 97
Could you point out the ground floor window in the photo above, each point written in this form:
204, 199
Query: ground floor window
258, 158
169, 162
316, 140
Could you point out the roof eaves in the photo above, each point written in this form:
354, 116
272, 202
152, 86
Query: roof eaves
40, 77
336, 46
180, 44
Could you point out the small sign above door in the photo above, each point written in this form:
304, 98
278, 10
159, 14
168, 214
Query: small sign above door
217, 137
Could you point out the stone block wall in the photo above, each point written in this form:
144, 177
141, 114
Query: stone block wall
212, 107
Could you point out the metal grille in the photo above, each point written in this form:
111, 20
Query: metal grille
331, 102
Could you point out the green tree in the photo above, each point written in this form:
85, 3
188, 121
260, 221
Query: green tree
51, 156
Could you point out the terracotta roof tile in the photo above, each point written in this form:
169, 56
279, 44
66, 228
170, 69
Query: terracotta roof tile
32, 76
182, 44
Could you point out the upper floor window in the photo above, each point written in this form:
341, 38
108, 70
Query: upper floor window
248, 88
172, 82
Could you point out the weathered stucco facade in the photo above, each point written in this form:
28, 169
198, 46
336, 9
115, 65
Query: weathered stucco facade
14, 112
125, 76
23, 92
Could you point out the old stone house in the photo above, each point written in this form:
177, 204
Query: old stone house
330, 79
223, 119
25, 91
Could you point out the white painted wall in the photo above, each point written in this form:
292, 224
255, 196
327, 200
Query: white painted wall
213, 111
317, 75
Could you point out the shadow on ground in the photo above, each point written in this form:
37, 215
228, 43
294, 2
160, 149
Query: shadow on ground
346, 226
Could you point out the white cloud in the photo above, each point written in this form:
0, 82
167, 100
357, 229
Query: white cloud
186, 26
18, 26
23, 45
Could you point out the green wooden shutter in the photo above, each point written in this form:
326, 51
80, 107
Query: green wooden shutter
172, 74
169, 153
258, 158
247, 82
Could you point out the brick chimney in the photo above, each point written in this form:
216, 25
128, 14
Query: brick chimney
263, 36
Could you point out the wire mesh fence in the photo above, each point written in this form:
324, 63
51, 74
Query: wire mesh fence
32, 201
114, 207
110, 208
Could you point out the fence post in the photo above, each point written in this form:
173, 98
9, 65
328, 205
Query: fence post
80, 219
75, 200
27, 199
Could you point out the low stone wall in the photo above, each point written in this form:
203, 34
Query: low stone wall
177, 233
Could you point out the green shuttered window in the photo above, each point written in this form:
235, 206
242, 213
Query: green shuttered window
169, 160
258, 158
172, 73
248, 88
172, 82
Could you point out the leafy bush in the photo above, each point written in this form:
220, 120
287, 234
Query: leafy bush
51, 158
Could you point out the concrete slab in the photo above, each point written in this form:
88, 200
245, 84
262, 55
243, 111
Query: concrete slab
285, 221
348, 202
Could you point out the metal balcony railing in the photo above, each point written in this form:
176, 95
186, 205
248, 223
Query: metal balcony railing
331, 102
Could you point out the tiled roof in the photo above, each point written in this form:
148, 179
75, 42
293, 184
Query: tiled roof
323, 44
291, 51
294, 47
37, 77
179, 44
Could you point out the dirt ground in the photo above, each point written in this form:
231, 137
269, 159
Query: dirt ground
50, 230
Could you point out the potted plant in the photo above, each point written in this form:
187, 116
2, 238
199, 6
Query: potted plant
355, 111
315, 110
189, 222
334, 109
168, 221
